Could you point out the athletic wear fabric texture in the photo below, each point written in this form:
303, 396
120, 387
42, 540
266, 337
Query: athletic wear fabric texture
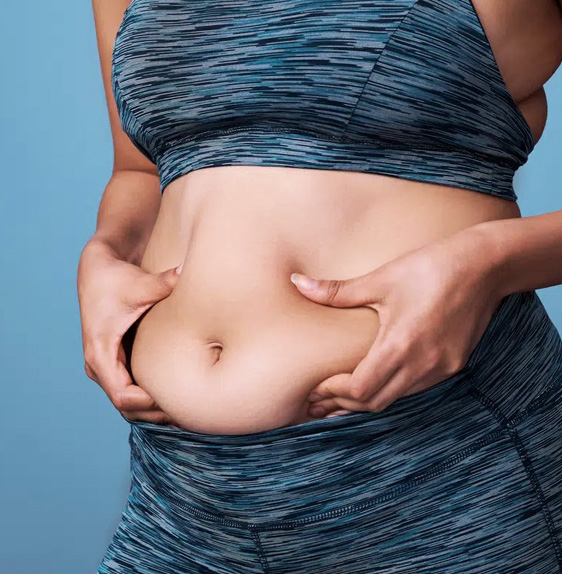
406, 88
464, 477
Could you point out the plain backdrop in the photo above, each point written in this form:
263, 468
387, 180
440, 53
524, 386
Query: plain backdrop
63, 447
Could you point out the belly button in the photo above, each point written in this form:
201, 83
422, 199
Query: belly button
216, 348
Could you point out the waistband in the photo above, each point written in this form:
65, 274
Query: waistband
281, 473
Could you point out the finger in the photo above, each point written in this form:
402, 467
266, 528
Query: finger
327, 406
334, 386
157, 417
105, 366
134, 398
374, 371
322, 408
175, 425
122, 392
337, 413
345, 385
355, 292
158, 286
394, 389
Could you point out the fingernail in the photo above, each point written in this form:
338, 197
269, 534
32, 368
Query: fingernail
318, 411
337, 414
179, 268
304, 281
314, 397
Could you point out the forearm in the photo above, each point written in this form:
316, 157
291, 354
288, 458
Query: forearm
127, 213
526, 252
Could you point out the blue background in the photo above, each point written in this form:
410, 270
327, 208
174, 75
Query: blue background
63, 448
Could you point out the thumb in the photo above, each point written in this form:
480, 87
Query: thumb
160, 285
353, 292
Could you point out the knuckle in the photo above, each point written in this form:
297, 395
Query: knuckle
377, 406
358, 391
89, 371
117, 400
332, 289
164, 281
454, 364
432, 359
94, 347
398, 346
89, 354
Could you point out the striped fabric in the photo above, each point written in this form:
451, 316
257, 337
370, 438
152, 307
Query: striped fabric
464, 477
406, 88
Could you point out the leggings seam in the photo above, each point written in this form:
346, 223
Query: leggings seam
508, 425
261, 555
533, 406
540, 400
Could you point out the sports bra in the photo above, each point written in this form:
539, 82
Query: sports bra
405, 88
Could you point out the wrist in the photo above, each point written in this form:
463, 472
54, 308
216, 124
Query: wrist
490, 255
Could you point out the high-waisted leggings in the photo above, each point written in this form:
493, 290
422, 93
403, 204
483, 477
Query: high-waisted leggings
465, 476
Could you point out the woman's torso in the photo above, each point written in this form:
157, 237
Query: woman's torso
236, 348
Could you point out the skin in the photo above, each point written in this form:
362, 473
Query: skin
411, 272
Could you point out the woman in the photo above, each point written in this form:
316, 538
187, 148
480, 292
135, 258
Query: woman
404, 413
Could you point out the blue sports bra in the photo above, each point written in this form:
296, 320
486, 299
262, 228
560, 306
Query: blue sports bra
405, 88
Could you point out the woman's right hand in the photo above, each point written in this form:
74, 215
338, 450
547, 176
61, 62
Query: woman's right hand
112, 295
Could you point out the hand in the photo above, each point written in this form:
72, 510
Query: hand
434, 304
112, 295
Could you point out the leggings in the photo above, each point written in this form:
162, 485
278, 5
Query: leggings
465, 476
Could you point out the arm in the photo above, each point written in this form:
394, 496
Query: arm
527, 251
113, 290
131, 200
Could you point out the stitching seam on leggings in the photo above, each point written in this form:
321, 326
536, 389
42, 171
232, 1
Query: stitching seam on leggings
534, 405
282, 524
527, 465
543, 398
259, 549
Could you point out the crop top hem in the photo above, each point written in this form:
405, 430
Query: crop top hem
271, 146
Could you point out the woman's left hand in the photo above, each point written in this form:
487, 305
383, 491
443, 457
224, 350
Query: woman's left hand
434, 304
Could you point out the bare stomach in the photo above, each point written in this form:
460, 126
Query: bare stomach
236, 348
